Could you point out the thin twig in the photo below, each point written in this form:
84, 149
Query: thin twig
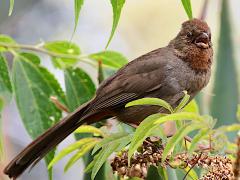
192, 166
40, 49
58, 104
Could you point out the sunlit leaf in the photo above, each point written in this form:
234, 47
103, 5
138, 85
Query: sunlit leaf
5, 83
192, 107
73, 147
113, 138
183, 131
110, 59
77, 8
192, 174
116, 8
183, 102
144, 130
151, 101
11, 5
188, 7
63, 48
179, 117
89, 129
84, 149
229, 128
33, 90
5, 39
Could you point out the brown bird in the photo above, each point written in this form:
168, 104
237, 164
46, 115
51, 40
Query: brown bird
184, 64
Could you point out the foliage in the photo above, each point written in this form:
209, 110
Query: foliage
33, 88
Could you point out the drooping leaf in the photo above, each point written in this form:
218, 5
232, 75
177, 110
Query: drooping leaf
77, 8
224, 103
191, 173
144, 130
111, 59
183, 102
179, 117
90, 129
192, 107
104, 154
5, 83
33, 89
11, 5
151, 101
113, 138
79, 87
187, 7
183, 131
229, 128
84, 149
153, 173
63, 48
116, 8
5, 39
73, 147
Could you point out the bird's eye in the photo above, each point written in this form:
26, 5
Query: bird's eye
189, 34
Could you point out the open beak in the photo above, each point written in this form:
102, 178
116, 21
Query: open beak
203, 41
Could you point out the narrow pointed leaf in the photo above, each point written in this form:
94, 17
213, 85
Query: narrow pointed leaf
192, 107
77, 8
111, 59
89, 129
116, 8
151, 101
73, 147
11, 5
183, 131
183, 102
85, 149
187, 7
63, 48
200, 135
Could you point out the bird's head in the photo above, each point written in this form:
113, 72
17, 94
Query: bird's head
193, 43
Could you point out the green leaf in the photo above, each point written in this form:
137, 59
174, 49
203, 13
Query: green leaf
144, 130
192, 174
33, 89
63, 48
86, 148
187, 7
111, 59
89, 129
183, 102
229, 128
73, 147
200, 135
116, 8
183, 131
225, 89
179, 117
192, 107
113, 138
79, 87
151, 101
6, 40
77, 8
11, 2
5, 83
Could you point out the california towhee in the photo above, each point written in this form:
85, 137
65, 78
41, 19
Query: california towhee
185, 64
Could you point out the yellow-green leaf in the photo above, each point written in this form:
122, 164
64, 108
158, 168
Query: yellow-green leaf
11, 5
116, 8
192, 107
77, 8
89, 129
187, 7
183, 102
5, 39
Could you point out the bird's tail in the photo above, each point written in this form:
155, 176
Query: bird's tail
35, 151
